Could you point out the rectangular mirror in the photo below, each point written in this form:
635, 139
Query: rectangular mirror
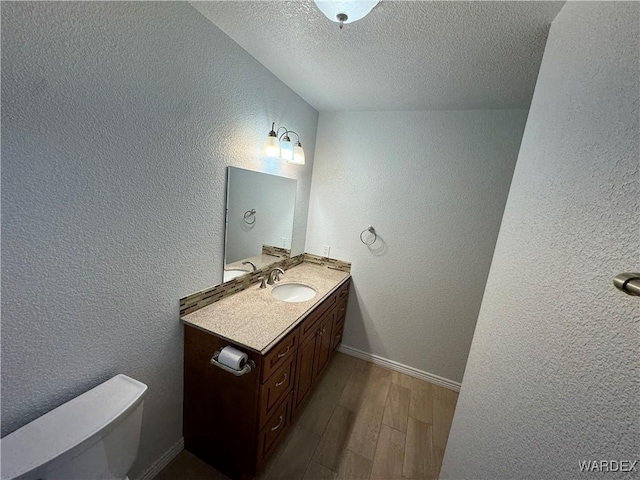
259, 223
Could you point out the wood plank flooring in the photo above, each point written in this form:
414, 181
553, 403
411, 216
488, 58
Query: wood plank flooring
362, 422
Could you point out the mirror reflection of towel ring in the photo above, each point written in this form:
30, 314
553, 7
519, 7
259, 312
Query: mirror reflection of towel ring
373, 232
250, 216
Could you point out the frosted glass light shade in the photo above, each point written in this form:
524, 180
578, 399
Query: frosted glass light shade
298, 155
355, 10
271, 148
286, 150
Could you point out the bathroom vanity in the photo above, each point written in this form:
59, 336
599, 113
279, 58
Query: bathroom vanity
236, 422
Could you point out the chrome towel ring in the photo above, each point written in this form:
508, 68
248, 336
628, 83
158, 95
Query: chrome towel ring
628, 282
373, 232
250, 216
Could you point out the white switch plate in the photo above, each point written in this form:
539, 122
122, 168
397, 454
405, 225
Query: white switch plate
325, 250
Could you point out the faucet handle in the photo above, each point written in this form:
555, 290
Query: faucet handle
263, 281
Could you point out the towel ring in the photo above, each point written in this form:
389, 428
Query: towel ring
250, 214
372, 231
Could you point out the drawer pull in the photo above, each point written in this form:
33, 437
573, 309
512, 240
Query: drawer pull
284, 379
338, 336
280, 355
273, 429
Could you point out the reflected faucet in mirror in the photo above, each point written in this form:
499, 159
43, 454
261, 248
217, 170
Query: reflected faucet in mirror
252, 265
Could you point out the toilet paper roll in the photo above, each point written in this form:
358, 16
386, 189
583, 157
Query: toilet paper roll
233, 358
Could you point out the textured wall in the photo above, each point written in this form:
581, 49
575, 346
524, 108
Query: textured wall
118, 122
434, 185
553, 371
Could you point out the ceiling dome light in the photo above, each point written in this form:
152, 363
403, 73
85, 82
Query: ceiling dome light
345, 11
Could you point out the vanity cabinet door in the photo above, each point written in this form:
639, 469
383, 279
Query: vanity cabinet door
310, 324
304, 372
323, 343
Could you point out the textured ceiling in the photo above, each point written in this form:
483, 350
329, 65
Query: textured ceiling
405, 55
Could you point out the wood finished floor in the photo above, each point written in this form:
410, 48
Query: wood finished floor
362, 422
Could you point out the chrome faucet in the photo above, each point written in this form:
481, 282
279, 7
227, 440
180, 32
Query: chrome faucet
250, 263
274, 275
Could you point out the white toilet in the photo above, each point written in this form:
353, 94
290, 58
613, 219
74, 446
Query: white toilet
94, 436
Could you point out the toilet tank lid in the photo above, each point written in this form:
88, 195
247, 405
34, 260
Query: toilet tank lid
83, 420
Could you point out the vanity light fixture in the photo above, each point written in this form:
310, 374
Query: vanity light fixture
271, 146
286, 147
281, 147
298, 153
346, 11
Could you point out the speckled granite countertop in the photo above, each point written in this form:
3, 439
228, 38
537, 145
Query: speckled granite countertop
254, 319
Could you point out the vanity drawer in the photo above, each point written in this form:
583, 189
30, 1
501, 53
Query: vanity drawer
284, 351
341, 312
338, 326
336, 335
277, 387
274, 430
343, 291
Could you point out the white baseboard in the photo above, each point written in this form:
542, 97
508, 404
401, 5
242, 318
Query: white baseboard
399, 367
151, 472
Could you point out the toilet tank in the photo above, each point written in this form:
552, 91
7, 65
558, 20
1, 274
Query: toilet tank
93, 436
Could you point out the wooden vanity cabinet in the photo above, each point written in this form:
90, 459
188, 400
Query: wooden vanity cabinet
315, 350
338, 325
313, 357
236, 423
220, 411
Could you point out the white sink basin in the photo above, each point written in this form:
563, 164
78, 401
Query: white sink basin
293, 292
233, 273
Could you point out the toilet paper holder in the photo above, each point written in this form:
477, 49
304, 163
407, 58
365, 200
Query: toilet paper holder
250, 365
